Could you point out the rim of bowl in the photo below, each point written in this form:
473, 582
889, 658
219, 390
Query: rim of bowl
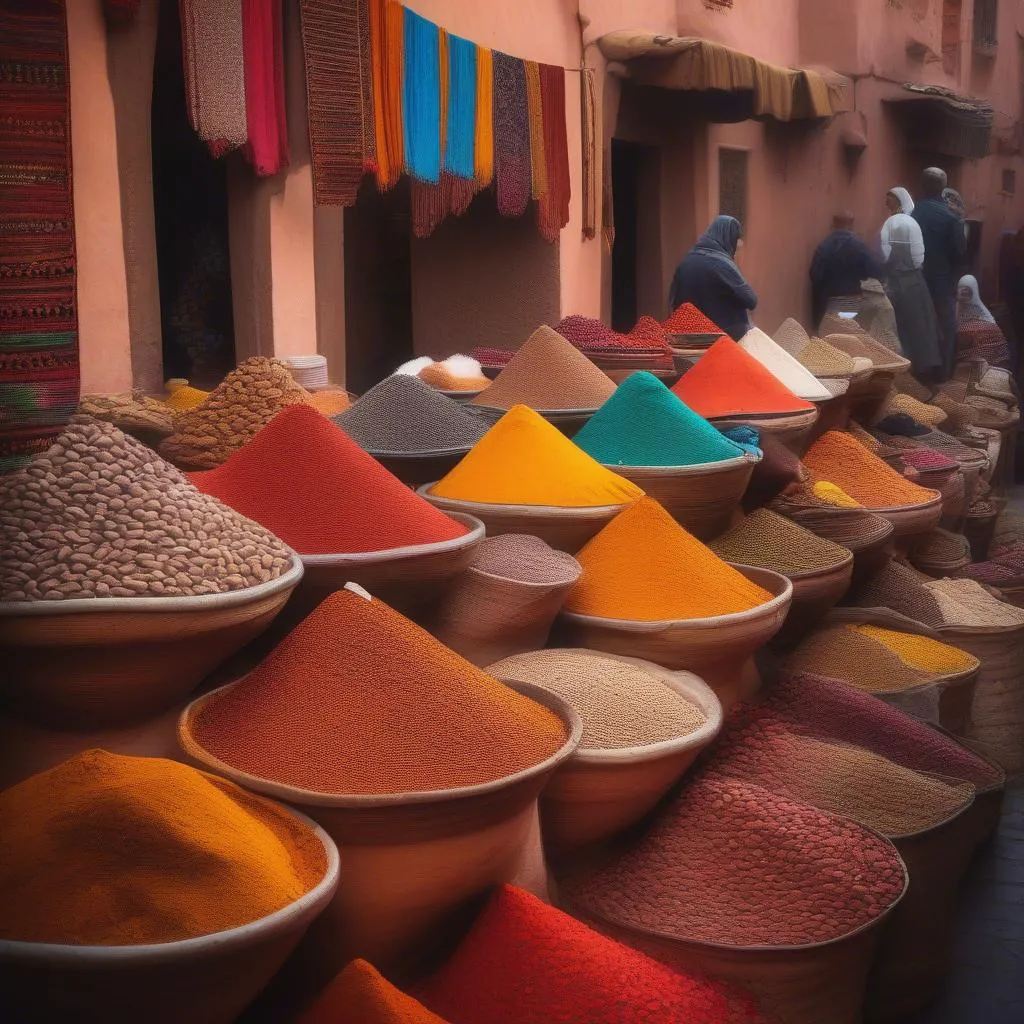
432, 453
476, 533
553, 511
921, 506
743, 419
701, 469
554, 413
810, 574
571, 722
529, 584
760, 611
239, 936
199, 602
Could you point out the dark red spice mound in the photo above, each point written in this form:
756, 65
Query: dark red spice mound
688, 319
648, 332
491, 357
589, 335
307, 481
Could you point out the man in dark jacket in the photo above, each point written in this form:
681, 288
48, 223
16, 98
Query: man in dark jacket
944, 249
839, 265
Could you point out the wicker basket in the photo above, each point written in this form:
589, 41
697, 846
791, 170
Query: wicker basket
815, 594
792, 430
912, 520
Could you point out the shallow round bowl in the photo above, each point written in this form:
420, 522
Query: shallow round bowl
815, 594
568, 421
415, 468
792, 429
719, 649
911, 520
205, 980
109, 662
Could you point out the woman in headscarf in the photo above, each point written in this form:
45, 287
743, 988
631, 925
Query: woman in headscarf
977, 333
903, 252
709, 278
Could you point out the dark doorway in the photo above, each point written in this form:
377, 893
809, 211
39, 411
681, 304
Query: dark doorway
191, 209
378, 284
626, 160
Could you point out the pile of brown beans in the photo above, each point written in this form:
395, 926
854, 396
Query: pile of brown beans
100, 515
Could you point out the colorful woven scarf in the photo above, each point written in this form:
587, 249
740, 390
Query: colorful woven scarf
387, 43
39, 376
462, 86
553, 208
421, 98
451, 196
335, 68
535, 112
483, 134
266, 120
511, 135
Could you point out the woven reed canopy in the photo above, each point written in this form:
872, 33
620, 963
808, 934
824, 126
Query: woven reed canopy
943, 121
682, 62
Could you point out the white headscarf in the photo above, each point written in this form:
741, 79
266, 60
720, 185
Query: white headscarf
972, 308
905, 200
902, 229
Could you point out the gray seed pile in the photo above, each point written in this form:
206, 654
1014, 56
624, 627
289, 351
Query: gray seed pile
526, 559
621, 705
100, 515
404, 415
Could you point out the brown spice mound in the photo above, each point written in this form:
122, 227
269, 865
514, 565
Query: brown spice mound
771, 541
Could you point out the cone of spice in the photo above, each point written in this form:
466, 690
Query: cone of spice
899, 403
402, 415
106, 850
771, 541
825, 360
898, 587
783, 366
330, 401
359, 700
182, 396
728, 381
309, 483
645, 424
851, 338
524, 460
688, 319
547, 373
680, 578
361, 995
921, 652
966, 603
456, 373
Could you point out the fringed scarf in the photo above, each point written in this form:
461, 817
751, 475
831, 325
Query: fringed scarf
387, 42
553, 208
421, 98
483, 133
335, 67
266, 120
511, 135
462, 87
535, 112
431, 204
214, 65
588, 105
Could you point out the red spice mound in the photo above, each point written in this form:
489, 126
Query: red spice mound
492, 357
360, 995
688, 319
593, 336
648, 332
524, 962
727, 381
307, 481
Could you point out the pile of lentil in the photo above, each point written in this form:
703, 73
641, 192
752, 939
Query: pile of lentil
783, 366
590, 335
827, 491
921, 652
248, 398
920, 412
645, 424
305, 480
757, 869
940, 548
106, 850
825, 360
361, 995
547, 373
359, 700
330, 401
525, 962
403, 415
622, 704
647, 333
182, 396
99, 515
771, 541
524, 460
644, 566
967, 603
898, 587
526, 559
688, 319
842, 460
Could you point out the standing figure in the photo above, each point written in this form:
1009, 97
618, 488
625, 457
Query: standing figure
978, 335
840, 264
709, 278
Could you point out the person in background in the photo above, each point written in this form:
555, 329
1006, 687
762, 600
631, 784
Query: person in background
977, 333
839, 265
956, 206
904, 253
709, 278
945, 247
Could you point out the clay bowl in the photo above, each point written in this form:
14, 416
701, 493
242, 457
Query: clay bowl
701, 498
413, 861
792, 430
565, 529
598, 793
912, 520
461, 396
944, 701
415, 468
105, 663
815, 594
206, 980
568, 421
719, 649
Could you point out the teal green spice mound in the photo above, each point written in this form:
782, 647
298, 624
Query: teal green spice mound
645, 424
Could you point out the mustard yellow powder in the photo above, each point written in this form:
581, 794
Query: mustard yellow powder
834, 495
921, 651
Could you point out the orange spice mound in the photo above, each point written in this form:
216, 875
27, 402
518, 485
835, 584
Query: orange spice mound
330, 401
728, 381
688, 319
439, 376
645, 567
842, 460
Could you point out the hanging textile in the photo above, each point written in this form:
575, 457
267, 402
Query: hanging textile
553, 208
442, 94
511, 135
462, 88
214, 66
535, 112
335, 68
39, 373
366, 85
266, 120
483, 134
431, 204
421, 98
588, 102
387, 42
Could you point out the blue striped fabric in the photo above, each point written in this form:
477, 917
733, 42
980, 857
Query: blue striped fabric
458, 157
421, 93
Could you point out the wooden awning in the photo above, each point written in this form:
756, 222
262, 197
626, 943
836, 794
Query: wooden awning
682, 62
942, 121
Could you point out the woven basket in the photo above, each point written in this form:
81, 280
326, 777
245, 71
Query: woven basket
912, 520
868, 397
701, 498
792, 430
719, 649
699, 342
815, 594
411, 859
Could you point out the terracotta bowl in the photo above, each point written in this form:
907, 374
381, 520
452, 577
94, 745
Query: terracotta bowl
719, 649
415, 468
701, 498
206, 980
568, 421
565, 529
598, 793
815, 594
461, 396
792, 430
413, 861
912, 520
109, 662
